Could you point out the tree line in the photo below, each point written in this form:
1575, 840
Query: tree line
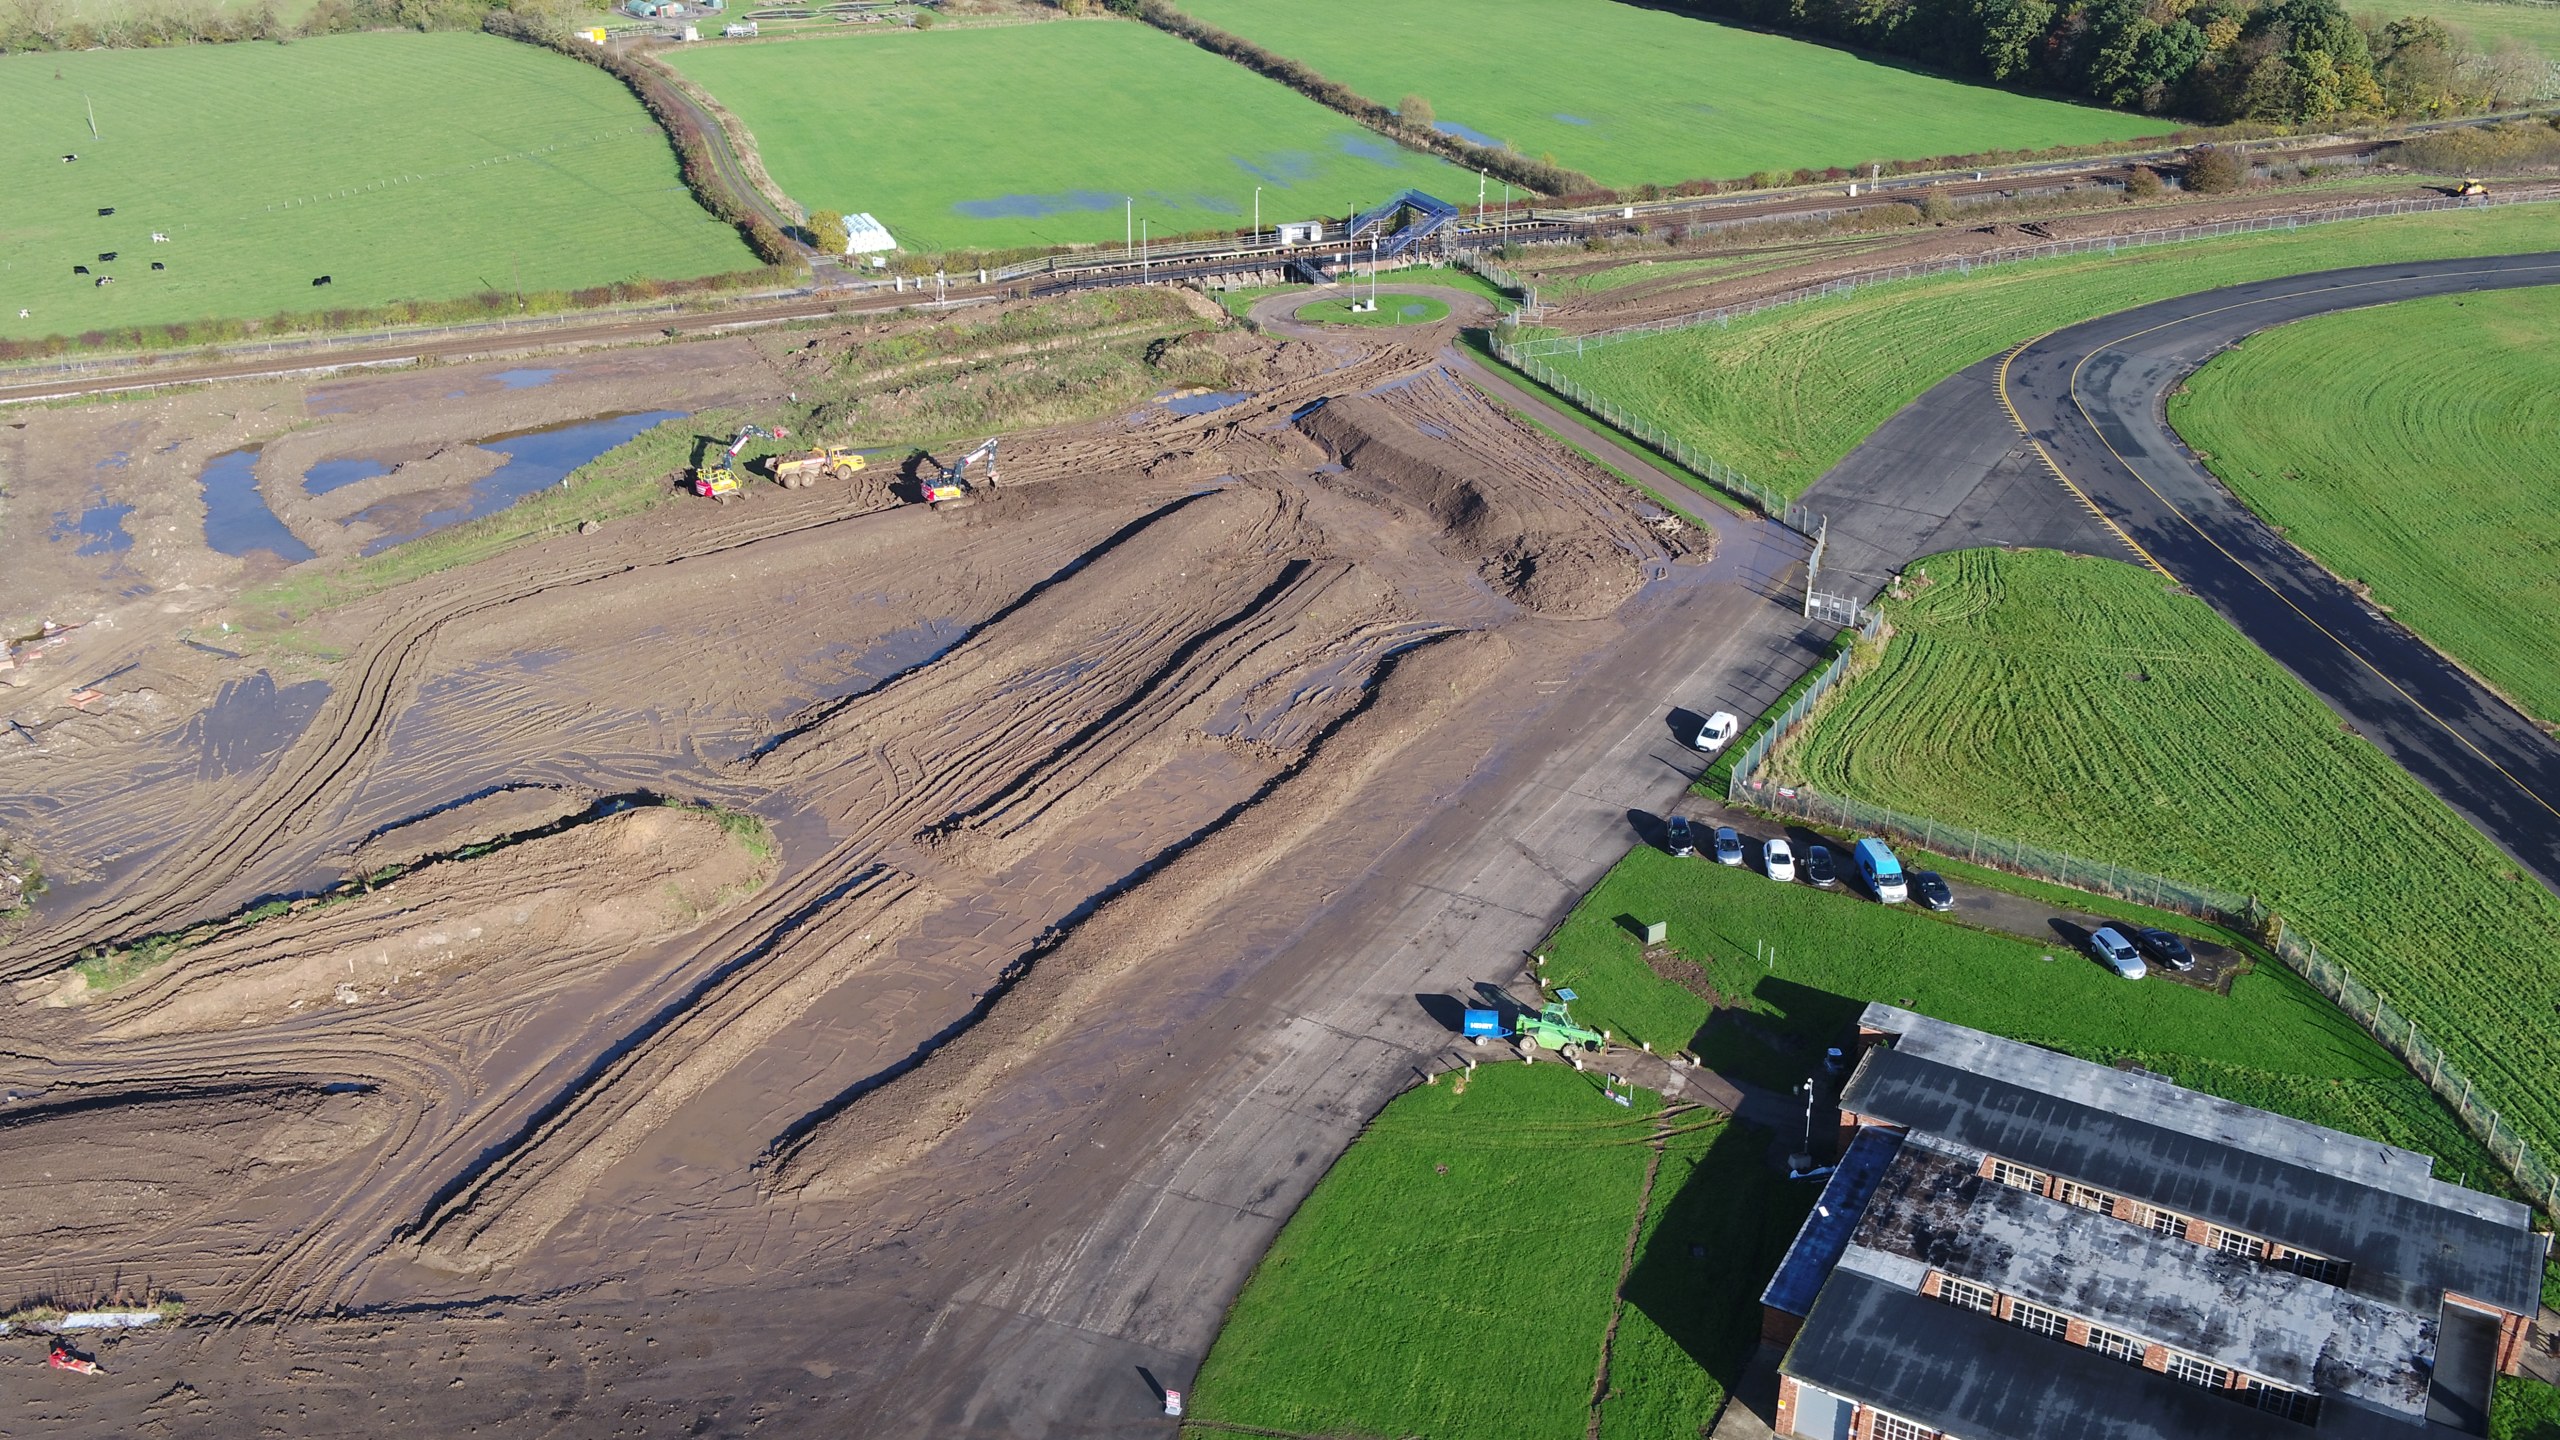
2217, 61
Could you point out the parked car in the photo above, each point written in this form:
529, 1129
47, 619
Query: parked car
1932, 890
2116, 953
1717, 729
1677, 839
1881, 872
1818, 869
2166, 948
1728, 846
1778, 859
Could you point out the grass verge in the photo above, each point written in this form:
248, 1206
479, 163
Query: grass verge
2080, 704
1393, 310
1740, 392
1453, 1274
2423, 481
1792, 966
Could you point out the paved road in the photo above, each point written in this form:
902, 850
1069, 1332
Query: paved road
2088, 400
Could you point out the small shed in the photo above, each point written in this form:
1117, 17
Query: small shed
1301, 232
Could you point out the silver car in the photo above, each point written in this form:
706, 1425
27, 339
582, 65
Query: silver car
2117, 953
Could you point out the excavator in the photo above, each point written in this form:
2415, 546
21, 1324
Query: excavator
719, 481
954, 489
2469, 188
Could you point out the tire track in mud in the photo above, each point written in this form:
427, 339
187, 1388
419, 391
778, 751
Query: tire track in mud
352, 727
888, 1122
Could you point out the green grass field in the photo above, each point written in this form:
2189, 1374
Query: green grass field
1782, 395
2006, 701
1393, 310
1451, 1276
2274, 1042
1703, 100
2488, 22
1038, 134
403, 166
2416, 457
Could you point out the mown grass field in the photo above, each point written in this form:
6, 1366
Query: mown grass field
1451, 1277
1038, 134
2008, 700
1630, 95
2273, 1042
2420, 464
404, 166
2488, 22
1782, 395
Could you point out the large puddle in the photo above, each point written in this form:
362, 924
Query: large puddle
842, 670
249, 723
236, 518
331, 475
536, 459
100, 527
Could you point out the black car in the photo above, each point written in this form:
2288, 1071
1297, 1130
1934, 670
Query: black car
1818, 867
1931, 888
1677, 839
2166, 948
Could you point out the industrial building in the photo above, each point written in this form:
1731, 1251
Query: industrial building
2018, 1245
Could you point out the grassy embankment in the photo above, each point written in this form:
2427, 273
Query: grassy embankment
1708, 99
1044, 134
2081, 705
1453, 1273
1741, 392
2413, 456
403, 166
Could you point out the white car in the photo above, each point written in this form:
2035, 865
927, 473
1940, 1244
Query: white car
2117, 953
1778, 860
1715, 730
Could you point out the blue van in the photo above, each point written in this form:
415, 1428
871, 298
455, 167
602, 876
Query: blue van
1882, 872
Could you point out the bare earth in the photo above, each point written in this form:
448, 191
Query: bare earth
626, 1128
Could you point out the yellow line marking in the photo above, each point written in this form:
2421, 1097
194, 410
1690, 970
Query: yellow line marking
2056, 470
2087, 419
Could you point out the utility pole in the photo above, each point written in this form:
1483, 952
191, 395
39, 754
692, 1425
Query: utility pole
93, 114
1128, 208
1479, 197
1257, 214
1373, 274
1142, 249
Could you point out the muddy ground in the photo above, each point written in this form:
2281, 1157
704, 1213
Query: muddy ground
586, 1114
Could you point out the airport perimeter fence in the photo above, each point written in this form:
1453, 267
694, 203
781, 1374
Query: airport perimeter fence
2534, 1176
2052, 250
1671, 447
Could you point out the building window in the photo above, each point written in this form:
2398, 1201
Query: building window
1965, 1295
2198, 1372
2232, 1242
2316, 1267
2169, 1223
2051, 1323
2018, 1176
1894, 1427
2087, 1197
2301, 1407
2115, 1345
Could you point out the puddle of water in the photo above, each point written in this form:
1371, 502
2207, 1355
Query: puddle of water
536, 459
1570, 119
249, 723
236, 518
1472, 137
1283, 168
526, 379
331, 475
840, 670
1203, 404
100, 528
1032, 207
1434, 431
116, 461
1361, 147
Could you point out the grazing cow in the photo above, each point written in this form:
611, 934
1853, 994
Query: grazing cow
106, 254
323, 280
156, 265
79, 269
67, 159
159, 239
106, 209
106, 280
23, 312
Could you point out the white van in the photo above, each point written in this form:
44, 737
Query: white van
1716, 730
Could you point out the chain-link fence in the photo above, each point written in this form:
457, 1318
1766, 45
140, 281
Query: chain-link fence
1967, 264
1671, 447
2534, 1176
